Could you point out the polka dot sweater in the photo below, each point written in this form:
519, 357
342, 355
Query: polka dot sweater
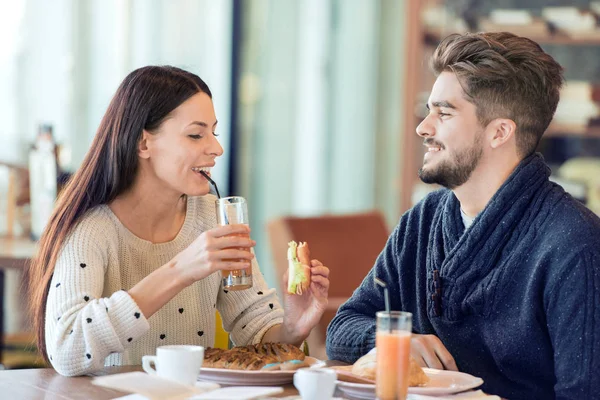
92, 322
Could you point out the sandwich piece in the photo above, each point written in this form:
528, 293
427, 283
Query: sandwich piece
298, 268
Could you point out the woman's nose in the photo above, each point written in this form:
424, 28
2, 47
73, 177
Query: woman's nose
215, 148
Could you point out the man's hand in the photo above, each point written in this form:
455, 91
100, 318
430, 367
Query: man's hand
429, 351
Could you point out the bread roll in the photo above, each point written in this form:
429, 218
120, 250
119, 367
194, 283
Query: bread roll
366, 366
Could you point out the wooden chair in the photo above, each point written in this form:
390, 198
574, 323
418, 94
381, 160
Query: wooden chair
1, 316
347, 244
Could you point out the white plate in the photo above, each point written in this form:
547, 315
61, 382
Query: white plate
252, 378
440, 382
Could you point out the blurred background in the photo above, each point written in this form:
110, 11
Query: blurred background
317, 101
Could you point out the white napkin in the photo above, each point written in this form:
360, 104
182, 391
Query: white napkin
151, 387
298, 398
234, 392
471, 395
239, 392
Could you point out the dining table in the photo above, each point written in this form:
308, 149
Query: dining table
46, 383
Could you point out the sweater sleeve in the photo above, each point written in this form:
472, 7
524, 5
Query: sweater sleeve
573, 316
248, 314
351, 333
82, 327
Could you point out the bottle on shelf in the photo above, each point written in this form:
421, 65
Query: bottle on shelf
43, 173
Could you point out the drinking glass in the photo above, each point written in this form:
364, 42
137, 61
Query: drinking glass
393, 352
234, 210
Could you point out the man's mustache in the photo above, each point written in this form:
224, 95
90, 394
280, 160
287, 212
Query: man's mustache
433, 143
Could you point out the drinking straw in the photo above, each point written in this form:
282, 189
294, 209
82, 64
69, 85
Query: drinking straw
218, 194
211, 182
386, 298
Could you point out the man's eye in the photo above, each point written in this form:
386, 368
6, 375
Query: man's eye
443, 114
215, 134
195, 136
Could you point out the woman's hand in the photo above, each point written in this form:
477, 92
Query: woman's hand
224, 248
303, 312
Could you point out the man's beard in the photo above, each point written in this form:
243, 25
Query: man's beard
456, 171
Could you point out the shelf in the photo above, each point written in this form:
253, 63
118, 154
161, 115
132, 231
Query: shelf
579, 40
564, 130
432, 38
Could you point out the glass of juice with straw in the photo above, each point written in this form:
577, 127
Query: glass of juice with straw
234, 210
393, 352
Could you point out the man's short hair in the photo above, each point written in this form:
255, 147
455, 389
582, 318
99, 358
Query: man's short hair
504, 76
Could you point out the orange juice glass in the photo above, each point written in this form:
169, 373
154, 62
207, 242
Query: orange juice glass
393, 351
234, 210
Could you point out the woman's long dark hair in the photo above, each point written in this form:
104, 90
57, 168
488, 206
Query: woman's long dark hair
142, 101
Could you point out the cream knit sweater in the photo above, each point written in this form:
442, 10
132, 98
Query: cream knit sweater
92, 322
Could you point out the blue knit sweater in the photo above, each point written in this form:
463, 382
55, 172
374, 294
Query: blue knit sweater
519, 298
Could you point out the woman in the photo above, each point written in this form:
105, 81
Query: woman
134, 236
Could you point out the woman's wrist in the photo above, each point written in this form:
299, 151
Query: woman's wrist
179, 273
291, 335
280, 334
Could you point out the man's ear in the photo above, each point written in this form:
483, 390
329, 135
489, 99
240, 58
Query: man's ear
502, 130
143, 150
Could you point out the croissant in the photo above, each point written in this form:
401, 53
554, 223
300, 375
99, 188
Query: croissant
251, 357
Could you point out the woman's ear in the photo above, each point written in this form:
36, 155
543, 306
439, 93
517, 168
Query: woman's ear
143, 150
502, 131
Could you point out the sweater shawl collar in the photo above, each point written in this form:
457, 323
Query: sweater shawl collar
463, 267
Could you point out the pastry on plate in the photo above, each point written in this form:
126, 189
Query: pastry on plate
253, 357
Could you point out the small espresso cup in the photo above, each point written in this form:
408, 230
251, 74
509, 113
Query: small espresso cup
178, 363
315, 383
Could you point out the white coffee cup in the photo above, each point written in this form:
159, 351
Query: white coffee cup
315, 383
179, 363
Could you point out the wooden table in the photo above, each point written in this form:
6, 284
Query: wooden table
48, 384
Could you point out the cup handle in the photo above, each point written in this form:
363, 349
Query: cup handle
147, 362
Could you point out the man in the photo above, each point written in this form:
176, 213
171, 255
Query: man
500, 269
